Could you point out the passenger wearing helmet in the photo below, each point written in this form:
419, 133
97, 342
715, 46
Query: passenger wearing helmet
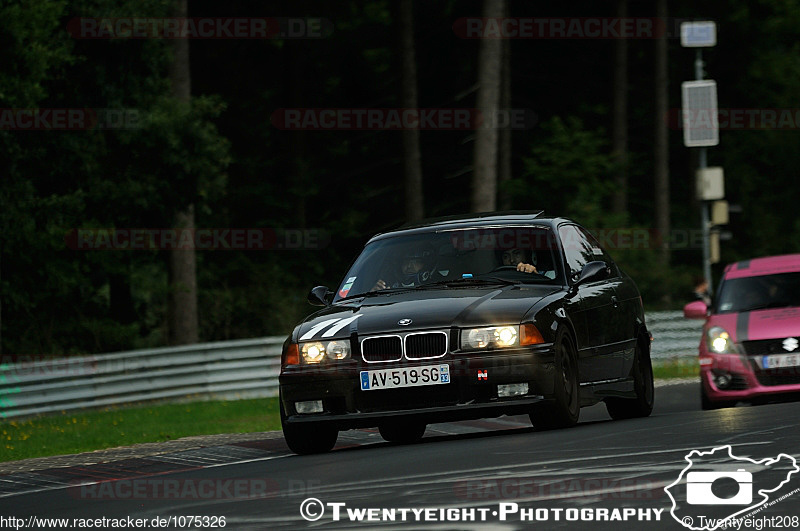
519, 258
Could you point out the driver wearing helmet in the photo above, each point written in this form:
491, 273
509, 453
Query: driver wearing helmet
414, 269
519, 258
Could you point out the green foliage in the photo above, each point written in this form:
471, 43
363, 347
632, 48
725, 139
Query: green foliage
179, 153
568, 172
33, 49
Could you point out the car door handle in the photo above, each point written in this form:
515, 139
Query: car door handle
615, 301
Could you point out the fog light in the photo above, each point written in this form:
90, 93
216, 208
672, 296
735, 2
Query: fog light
311, 406
722, 380
517, 389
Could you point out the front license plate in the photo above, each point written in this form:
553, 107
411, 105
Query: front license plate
405, 377
780, 360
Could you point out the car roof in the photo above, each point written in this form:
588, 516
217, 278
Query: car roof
767, 265
483, 219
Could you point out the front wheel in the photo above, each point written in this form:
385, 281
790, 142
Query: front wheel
642, 405
308, 438
563, 411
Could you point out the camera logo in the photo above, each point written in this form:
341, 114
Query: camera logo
716, 487
699, 488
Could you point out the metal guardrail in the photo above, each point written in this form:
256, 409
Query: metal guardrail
673, 334
229, 369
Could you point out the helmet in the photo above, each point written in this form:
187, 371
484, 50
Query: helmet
416, 267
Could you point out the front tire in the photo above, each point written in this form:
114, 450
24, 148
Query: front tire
402, 433
642, 405
564, 410
308, 438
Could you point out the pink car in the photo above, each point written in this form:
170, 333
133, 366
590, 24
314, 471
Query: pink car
750, 350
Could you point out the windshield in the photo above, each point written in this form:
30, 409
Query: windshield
453, 258
758, 293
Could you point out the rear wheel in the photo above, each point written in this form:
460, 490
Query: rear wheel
402, 432
642, 405
308, 438
564, 410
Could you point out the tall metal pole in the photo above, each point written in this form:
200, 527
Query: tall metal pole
703, 164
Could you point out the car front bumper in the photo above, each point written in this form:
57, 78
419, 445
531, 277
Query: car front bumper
472, 392
748, 381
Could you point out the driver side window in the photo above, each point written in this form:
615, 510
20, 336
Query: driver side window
577, 249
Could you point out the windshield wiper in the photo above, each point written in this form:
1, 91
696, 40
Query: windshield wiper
385, 291
467, 281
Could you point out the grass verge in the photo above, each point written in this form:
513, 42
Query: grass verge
676, 368
85, 431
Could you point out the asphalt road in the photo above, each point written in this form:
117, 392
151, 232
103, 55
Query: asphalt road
500, 472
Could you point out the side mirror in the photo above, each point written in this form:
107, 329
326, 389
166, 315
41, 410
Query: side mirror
319, 296
695, 310
593, 272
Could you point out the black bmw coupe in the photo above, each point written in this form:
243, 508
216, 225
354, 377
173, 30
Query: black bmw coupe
463, 318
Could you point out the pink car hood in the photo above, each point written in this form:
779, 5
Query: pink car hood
760, 324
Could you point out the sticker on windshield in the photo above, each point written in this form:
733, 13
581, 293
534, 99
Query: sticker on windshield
346, 288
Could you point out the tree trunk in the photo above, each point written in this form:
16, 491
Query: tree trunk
619, 135
484, 179
412, 160
183, 323
661, 155
504, 156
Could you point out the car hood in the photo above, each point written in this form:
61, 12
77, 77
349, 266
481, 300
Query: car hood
761, 324
426, 309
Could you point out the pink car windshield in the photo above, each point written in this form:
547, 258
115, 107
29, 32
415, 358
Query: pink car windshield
759, 293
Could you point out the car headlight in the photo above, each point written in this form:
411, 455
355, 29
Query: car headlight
490, 337
316, 351
719, 341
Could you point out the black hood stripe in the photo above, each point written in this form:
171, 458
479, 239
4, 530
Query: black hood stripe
742, 326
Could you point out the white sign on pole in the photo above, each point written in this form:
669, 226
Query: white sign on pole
698, 34
699, 113
710, 183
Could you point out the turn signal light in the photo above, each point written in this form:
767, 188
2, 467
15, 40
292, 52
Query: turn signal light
529, 335
292, 355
